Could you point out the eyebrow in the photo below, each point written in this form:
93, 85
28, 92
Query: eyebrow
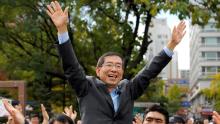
154, 118
113, 63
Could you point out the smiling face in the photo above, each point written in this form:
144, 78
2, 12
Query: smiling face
111, 71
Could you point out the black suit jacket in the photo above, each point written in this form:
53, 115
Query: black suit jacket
95, 103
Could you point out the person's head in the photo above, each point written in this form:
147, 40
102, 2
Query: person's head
110, 68
61, 119
156, 115
34, 119
182, 112
176, 119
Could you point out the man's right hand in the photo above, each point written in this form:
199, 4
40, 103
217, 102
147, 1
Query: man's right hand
58, 16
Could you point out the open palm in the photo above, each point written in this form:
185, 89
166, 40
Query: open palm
58, 16
178, 32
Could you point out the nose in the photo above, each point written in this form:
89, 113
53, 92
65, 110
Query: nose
153, 122
114, 68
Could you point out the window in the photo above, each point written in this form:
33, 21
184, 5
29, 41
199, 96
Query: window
211, 69
211, 55
210, 41
206, 70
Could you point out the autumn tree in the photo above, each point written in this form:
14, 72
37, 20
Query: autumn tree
213, 93
28, 37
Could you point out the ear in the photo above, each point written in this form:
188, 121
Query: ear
97, 71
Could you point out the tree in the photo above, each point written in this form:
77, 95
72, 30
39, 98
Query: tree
155, 92
27, 36
213, 93
28, 51
174, 98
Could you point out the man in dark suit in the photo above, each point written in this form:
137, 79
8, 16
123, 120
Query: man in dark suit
107, 99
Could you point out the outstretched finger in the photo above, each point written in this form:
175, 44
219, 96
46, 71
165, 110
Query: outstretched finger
66, 11
216, 117
71, 108
50, 10
66, 110
216, 120
58, 7
8, 107
183, 33
42, 108
48, 13
181, 25
216, 114
53, 5
44, 113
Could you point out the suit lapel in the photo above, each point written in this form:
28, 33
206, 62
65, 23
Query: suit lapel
102, 87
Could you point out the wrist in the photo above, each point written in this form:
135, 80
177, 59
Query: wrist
62, 29
171, 45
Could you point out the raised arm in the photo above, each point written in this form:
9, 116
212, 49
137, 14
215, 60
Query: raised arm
16, 115
68, 111
72, 69
142, 79
44, 114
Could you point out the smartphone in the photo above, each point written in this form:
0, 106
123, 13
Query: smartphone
3, 111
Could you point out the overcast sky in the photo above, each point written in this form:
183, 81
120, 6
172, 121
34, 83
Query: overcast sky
183, 47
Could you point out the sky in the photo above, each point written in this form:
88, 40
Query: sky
183, 47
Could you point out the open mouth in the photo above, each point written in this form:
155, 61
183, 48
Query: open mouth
112, 76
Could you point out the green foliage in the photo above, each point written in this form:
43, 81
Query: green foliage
27, 38
174, 92
213, 93
27, 50
154, 93
217, 105
174, 98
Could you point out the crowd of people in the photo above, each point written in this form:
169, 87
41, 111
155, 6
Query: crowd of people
106, 98
155, 114
68, 116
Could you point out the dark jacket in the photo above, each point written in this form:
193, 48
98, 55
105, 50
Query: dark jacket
95, 103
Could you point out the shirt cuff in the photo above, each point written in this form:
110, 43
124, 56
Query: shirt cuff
62, 38
168, 52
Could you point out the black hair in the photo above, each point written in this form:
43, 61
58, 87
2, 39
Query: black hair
159, 109
15, 102
177, 119
62, 118
102, 58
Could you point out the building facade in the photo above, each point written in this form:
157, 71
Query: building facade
204, 62
161, 34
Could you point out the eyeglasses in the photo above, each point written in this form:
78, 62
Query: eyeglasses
111, 65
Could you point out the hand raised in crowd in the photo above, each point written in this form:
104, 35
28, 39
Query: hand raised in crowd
10, 118
45, 115
137, 119
58, 16
16, 115
68, 111
216, 117
177, 35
